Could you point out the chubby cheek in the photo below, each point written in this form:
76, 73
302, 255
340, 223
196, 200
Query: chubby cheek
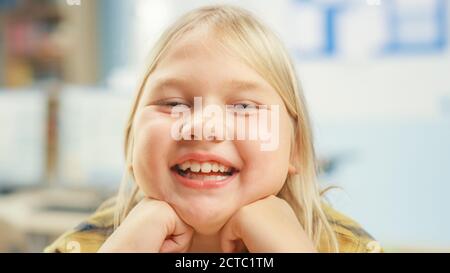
152, 144
264, 174
265, 171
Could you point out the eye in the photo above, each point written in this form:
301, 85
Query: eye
244, 108
171, 103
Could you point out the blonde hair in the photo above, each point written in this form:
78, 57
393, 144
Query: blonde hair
240, 32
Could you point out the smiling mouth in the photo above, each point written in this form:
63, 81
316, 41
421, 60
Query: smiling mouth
204, 171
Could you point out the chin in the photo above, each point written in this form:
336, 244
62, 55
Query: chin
206, 220
206, 228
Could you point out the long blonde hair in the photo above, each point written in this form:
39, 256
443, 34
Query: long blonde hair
257, 46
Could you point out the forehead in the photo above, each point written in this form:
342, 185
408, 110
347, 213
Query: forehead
200, 56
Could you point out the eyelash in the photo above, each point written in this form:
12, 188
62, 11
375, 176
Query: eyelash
248, 108
237, 108
173, 103
246, 105
240, 108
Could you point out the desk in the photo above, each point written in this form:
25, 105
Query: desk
32, 215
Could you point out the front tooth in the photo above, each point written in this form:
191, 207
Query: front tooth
185, 165
215, 167
221, 168
206, 167
195, 167
219, 177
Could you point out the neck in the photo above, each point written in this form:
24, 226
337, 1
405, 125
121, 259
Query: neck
205, 243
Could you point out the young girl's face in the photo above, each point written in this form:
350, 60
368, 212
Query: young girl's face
220, 175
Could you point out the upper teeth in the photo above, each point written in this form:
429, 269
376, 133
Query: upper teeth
204, 167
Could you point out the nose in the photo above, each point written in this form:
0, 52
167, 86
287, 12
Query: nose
205, 125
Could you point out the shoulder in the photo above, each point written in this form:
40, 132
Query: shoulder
89, 235
350, 235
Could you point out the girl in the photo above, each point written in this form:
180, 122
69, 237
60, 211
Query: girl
213, 194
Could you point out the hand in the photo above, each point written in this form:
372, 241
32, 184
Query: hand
267, 225
151, 226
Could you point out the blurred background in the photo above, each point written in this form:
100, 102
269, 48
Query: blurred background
376, 75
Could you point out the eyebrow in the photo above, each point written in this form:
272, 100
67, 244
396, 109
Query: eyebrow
243, 85
179, 82
162, 83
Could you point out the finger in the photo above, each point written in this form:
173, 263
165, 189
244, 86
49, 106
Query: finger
179, 237
229, 238
177, 243
240, 247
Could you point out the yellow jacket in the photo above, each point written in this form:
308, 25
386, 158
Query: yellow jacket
91, 234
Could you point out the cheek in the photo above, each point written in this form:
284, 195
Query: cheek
265, 171
264, 174
152, 143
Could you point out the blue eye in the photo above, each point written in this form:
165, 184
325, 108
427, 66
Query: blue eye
174, 103
244, 106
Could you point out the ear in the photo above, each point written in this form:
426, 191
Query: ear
294, 157
292, 170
